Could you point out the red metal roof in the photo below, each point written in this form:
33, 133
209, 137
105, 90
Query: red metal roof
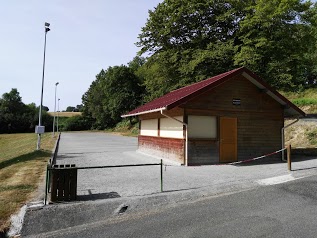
179, 96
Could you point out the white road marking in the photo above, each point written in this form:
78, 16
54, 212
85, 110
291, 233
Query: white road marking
276, 180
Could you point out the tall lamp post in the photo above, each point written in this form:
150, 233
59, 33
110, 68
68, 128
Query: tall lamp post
40, 129
57, 113
55, 109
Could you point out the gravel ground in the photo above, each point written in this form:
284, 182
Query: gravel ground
138, 188
97, 149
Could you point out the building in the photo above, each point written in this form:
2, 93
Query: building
232, 116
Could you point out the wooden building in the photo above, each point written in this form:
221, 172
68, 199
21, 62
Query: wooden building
232, 116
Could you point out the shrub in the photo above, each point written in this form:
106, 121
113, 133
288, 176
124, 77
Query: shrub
76, 123
305, 101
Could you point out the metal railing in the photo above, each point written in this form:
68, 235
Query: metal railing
58, 168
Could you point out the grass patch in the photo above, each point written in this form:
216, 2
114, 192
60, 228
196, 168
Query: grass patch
126, 128
21, 170
304, 99
312, 136
301, 135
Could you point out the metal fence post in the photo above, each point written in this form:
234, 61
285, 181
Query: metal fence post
161, 175
46, 185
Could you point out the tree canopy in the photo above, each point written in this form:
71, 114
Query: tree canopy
115, 91
190, 40
186, 41
16, 117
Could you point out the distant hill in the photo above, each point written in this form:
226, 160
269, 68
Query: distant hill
65, 114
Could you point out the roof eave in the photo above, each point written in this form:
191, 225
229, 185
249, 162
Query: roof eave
272, 92
143, 112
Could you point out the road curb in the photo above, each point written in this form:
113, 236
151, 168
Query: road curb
66, 215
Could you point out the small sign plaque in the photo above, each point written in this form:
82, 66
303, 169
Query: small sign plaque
236, 101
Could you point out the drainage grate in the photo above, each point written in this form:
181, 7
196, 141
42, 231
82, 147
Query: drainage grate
123, 209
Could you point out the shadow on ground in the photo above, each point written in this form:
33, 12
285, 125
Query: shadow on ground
23, 158
97, 196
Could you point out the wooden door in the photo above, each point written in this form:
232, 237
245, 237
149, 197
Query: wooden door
228, 139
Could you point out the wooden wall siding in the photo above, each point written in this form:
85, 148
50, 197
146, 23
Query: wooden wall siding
203, 151
260, 118
258, 136
168, 148
220, 98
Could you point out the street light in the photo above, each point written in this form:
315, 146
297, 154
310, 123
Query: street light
55, 109
40, 129
57, 113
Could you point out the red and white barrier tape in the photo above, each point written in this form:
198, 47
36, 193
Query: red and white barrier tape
256, 158
241, 161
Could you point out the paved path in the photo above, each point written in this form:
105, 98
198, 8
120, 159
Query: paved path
281, 211
93, 149
138, 188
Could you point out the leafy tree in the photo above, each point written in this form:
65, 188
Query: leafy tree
114, 92
136, 63
12, 112
70, 109
75, 123
79, 108
190, 40
276, 36
16, 117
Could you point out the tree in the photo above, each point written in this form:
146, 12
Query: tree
79, 108
275, 38
190, 40
16, 117
114, 92
12, 112
179, 24
70, 109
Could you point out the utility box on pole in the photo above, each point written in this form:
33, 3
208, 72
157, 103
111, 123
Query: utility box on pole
39, 129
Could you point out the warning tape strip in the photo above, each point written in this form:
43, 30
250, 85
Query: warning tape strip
256, 158
241, 161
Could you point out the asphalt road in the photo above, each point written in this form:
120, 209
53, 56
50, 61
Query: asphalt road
284, 210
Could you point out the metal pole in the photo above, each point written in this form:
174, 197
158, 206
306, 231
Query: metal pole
54, 109
161, 175
57, 113
38, 147
46, 185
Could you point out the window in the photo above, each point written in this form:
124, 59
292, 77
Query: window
171, 128
149, 127
202, 127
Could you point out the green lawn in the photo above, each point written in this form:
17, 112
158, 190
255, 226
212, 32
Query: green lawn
21, 170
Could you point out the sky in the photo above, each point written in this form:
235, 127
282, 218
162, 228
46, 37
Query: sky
85, 37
